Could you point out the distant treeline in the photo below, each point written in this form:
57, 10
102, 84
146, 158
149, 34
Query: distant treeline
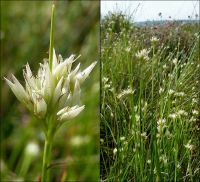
150, 23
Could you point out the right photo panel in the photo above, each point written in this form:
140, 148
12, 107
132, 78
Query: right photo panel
150, 91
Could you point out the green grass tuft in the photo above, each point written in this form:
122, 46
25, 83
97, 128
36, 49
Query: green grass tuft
150, 99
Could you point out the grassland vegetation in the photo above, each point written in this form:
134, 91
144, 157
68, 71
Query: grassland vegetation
150, 100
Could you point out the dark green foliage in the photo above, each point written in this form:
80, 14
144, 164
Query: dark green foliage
116, 22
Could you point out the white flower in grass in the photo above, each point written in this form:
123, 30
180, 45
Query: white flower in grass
173, 116
196, 35
194, 100
107, 86
111, 89
170, 92
168, 134
195, 112
161, 90
102, 140
128, 49
143, 54
125, 92
189, 146
164, 66
57, 91
178, 166
161, 125
104, 79
163, 158
115, 151
182, 112
154, 39
181, 94
125, 143
144, 135
111, 114
192, 119
135, 108
122, 138
174, 101
155, 171
174, 61
137, 117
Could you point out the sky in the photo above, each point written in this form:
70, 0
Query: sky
149, 10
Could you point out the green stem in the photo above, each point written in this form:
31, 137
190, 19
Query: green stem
154, 143
46, 159
152, 123
48, 134
51, 39
47, 150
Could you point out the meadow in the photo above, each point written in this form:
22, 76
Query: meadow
150, 100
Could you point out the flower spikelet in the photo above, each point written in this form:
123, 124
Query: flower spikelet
55, 92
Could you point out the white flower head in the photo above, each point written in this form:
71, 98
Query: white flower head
161, 125
102, 140
195, 112
173, 116
182, 112
170, 92
104, 79
180, 94
189, 145
161, 90
57, 91
143, 54
154, 39
175, 61
144, 135
128, 49
115, 151
122, 138
125, 92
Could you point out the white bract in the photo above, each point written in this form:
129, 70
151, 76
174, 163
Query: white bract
55, 92
143, 54
154, 39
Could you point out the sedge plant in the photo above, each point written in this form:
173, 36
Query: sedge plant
52, 96
149, 103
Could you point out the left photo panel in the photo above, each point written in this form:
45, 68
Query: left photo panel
50, 91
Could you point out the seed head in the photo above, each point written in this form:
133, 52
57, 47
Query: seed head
57, 92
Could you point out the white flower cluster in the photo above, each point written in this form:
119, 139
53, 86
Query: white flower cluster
154, 39
128, 91
163, 158
189, 145
161, 125
128, 49
115, 151
174, 61
180, 94
55, 91
144, 135
143, 54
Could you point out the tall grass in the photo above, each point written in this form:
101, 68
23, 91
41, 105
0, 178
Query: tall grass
149, 101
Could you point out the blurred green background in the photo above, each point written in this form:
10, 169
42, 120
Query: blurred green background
25, 29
